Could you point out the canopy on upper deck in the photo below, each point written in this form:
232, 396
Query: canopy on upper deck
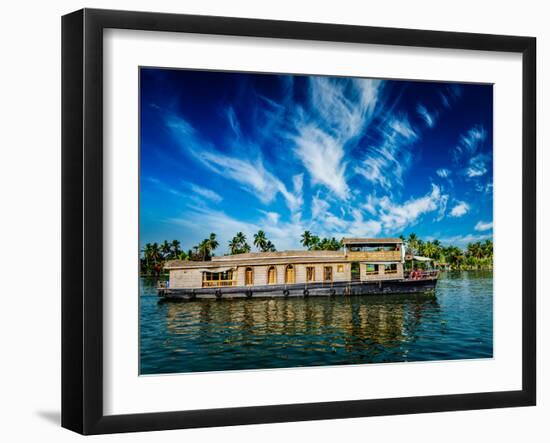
420, 258
371, 241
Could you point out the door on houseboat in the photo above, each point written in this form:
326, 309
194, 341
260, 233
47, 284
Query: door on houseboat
327, 273
249, 277
289, 275
355, 271
271, 275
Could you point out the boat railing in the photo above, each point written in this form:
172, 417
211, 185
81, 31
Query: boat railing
218, 283
421, 274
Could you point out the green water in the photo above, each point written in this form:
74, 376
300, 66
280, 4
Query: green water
217, 335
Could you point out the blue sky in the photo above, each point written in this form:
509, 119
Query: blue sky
226, 152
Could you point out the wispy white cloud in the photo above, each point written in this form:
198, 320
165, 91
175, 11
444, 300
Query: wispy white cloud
252, 176
486, 188
450, 94
295, 198
344, 107
460, 209
442, 207
370, 204
429, 118
333, 223
385, 164
445, 100
323, 157
197, 191
318, 207
327, 224
477, 166
483, 226
250, 173
395, 217
180, 126
443, 172
360, 227
233, 122
206, 193
338, 113
402, 127
469, 143
161, 185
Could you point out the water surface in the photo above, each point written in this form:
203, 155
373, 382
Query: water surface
217, 335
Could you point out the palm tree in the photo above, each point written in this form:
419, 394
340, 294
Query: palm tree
413, 243
152, 261
241, 238
306, 239
326, 244
193, 253
334, 245
455, 256
260, 240
269, 247
238, 244
176, 248
166, 249
314, 243
213, 242
429, 250
182, 256
475, 250
205, 247
145, 261
155, 252
488, 249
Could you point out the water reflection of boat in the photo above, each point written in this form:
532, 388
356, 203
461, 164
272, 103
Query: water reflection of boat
380, 320
364, 267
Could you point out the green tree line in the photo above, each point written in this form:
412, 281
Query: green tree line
477, 255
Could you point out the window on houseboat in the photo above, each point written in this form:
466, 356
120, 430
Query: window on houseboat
271, 275
390, 268
327, 273
249, 276
372, 269
212, 279
340, 268
310, 273
289, 274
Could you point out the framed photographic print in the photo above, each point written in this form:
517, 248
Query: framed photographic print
270, 221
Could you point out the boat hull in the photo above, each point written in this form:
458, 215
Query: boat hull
346, 288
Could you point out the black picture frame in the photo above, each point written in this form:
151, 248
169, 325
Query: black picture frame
82, 215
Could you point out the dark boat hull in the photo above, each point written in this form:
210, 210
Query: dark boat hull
405, 286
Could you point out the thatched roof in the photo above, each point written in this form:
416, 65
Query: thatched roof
374, 241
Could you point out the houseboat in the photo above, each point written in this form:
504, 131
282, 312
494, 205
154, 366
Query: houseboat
364, 266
